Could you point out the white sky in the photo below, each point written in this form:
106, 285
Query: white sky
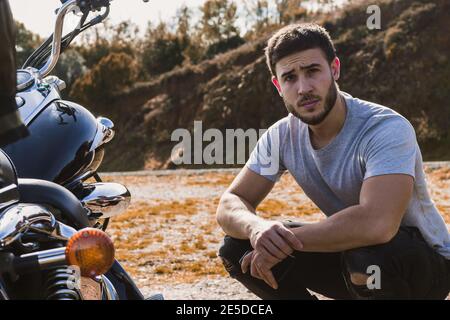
38, 15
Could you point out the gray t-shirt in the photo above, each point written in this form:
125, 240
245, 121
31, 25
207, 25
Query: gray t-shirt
374, 140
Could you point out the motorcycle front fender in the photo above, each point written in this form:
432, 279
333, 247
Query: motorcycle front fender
122, 282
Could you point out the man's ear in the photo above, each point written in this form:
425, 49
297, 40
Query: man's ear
336, 68
277, 85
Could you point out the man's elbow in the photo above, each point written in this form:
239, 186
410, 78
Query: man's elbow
381, 232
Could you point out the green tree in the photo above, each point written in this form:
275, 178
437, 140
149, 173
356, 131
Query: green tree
289, 11
111, 74
102, 40
218, 30
183, 17
190, 43
257, 12
218, 21
26, 43
162, 50
223, 46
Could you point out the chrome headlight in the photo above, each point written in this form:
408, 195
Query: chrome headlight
106, 199
105, 132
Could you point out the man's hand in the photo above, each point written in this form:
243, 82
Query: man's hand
260, 267
274, 241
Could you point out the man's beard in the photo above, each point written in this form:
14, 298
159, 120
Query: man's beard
330, 101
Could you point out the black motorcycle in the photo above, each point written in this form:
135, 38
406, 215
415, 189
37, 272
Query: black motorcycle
43, 256
42, 210
66, 142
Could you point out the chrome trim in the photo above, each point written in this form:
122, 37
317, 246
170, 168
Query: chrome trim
48, 258
22, 217
63, 232
78, 179
85, 176
107, 199
20, 102
57, 36
56, 82
58, 231
105, 132
3, 294
108, 289
8, 188
10, 192
26, 84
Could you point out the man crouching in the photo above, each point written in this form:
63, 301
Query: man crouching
360, 163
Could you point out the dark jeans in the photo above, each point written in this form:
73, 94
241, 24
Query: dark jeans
11, 126
408, 269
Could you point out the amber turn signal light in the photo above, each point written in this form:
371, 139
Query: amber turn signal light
92, 250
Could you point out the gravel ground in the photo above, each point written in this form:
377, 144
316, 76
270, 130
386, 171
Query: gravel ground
168, 239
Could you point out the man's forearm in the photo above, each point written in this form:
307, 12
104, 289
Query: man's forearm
350, 228
236, 216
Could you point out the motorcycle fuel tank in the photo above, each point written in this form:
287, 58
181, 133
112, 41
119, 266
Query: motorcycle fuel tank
59, 145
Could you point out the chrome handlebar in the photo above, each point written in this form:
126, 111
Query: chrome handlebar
67, 6
57, 36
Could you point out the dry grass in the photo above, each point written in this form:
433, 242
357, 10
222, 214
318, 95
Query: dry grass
273, 208
176, 241
168, 240
212, 179
442, 174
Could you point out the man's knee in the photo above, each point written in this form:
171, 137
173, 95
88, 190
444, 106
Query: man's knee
383, 270
231, 251
362, 271
356, 263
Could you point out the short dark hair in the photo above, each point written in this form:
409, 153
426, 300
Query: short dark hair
298, 37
